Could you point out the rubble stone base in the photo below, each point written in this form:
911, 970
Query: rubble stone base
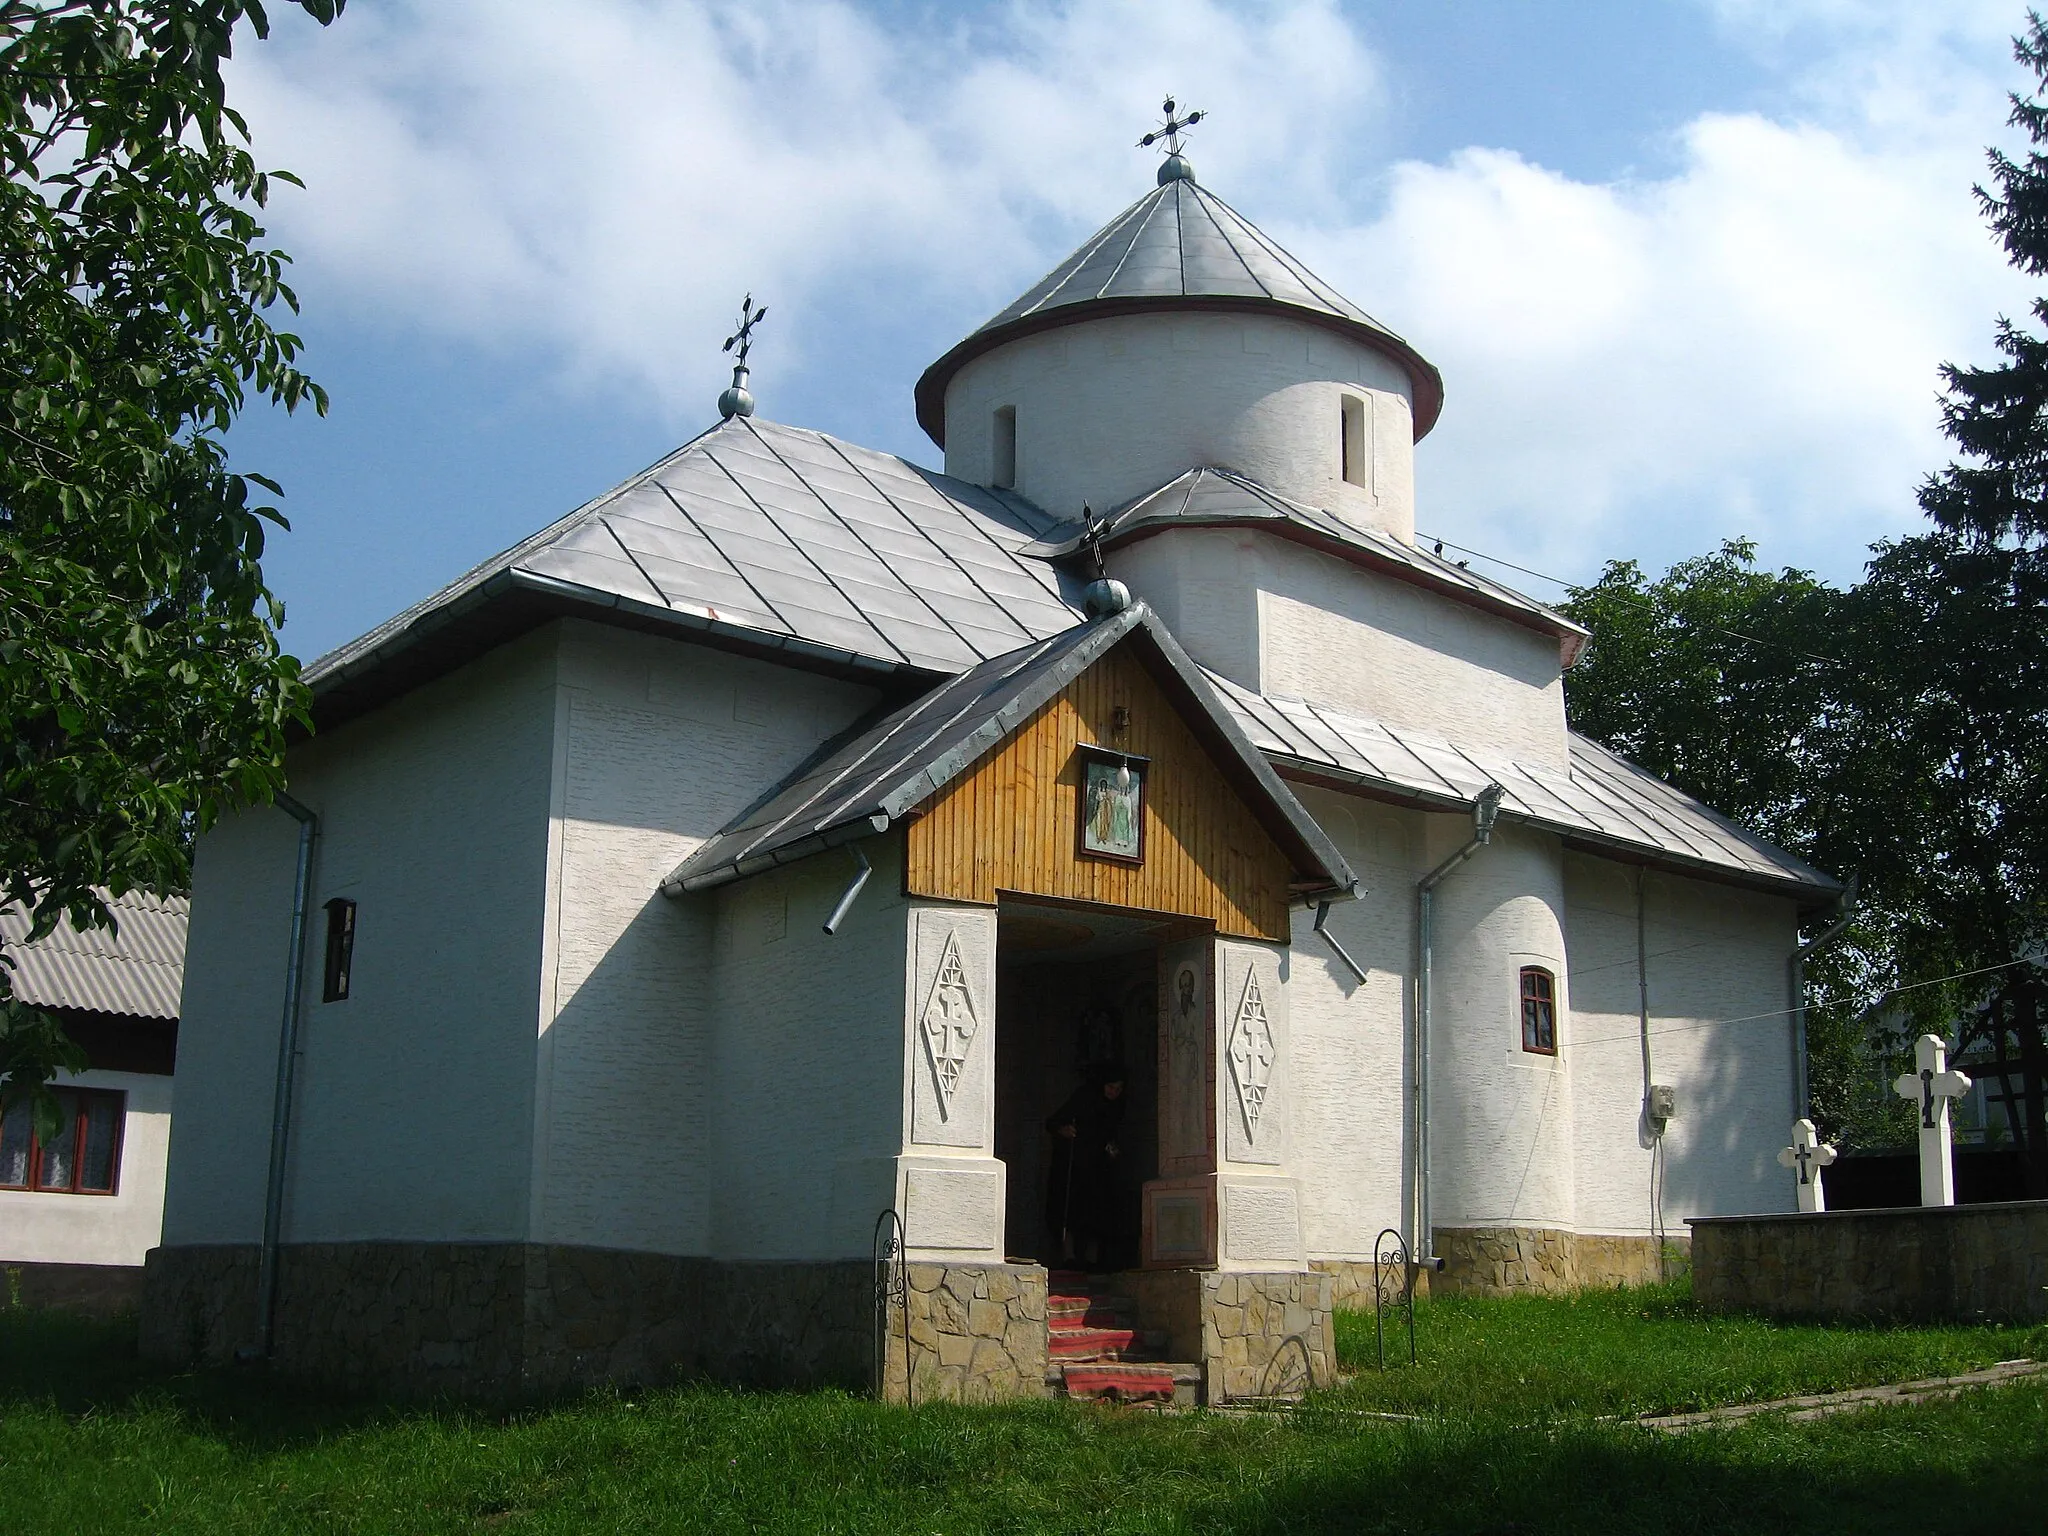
516, 1320
1253, 1334
977, 1333
95, 1290
1503, 1261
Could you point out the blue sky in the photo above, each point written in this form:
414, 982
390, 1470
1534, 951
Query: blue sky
1688, 267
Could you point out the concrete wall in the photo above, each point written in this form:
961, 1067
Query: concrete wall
1108, 409
414, 1094
42, 1228
1284, 619
659, 743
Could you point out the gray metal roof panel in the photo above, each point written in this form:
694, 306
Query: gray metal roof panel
810, 542
1601, 797
136, 970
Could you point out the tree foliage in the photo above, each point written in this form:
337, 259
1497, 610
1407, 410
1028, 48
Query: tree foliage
143, 684
1899, 728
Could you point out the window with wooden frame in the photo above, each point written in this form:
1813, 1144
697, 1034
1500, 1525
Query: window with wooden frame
84, 1158
1539, 1011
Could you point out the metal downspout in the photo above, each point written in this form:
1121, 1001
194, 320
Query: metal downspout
1485, 810
1802, 1091
287, 1063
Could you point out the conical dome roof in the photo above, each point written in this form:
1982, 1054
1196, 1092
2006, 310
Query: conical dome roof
1179, 247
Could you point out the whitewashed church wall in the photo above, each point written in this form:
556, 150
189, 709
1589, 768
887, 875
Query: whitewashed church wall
1108, 409
41, 1228
659, 744
232, 1005
1503, 1149
806, 1080
1284, 619
1352, 1039
411, 1109
1375, 646
1715, 953
413, 1098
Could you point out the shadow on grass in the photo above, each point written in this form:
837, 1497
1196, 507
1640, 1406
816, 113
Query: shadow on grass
84, 1366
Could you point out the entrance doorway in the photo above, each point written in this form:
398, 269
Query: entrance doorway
1077, 997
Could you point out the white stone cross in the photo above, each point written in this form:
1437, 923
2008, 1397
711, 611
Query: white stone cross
1931, 1087
1809, 1154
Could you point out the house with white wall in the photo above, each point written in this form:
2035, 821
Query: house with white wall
725, 885
79, 1213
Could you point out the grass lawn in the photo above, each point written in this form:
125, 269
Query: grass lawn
92, 1440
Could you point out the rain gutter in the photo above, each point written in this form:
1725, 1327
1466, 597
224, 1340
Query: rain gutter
1485, 812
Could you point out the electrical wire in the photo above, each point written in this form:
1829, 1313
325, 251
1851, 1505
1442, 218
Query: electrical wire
1779, 1013
1634, 597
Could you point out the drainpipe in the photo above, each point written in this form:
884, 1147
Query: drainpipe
861, 870
1845, 910
1485, 811
1329, 938
287, 1063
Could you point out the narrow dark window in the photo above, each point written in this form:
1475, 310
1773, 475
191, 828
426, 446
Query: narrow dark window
1004, 468
341, 949
84, 1158
1539, 1011
1354, 448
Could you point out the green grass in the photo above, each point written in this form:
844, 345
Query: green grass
93, 1440
1635, 1351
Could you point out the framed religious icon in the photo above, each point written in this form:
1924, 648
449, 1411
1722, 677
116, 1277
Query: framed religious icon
1113, 805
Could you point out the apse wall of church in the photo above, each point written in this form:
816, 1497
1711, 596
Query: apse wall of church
1107, 409
1714, 953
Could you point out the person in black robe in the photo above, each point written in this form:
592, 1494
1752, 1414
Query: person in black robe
1081, 1188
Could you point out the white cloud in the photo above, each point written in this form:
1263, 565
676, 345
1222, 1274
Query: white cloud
1746, 345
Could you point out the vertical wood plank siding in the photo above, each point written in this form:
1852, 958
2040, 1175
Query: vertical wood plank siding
1009, 823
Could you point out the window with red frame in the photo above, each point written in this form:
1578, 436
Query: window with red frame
1539, 1011
82, 1159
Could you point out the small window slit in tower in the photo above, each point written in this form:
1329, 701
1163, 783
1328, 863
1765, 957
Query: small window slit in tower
1354, 442
1004, 476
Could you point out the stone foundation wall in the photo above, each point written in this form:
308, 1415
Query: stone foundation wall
977, 1334
1351, 1282
96, 1290
1504, 1261
515, 1320
1254, 1335
1959, 1263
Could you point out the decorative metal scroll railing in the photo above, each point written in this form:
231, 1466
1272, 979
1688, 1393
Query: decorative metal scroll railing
1388, 1260
892, 1292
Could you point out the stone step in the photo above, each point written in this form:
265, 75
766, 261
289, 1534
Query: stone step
1100, 1343
1132, 1382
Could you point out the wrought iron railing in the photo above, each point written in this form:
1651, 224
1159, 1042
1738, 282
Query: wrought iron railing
892, 1291
1388, 1257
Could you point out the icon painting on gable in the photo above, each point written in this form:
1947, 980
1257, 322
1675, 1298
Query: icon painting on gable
1113, 806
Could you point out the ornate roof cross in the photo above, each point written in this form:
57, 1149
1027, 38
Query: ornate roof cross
736, 401
1175, 166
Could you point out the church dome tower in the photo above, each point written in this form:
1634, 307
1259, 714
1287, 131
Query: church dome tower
1176, 337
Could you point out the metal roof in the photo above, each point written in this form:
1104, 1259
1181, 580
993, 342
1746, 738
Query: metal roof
137, 968
1214, 497
1602, 802
784, 538
1179, 246
862, 783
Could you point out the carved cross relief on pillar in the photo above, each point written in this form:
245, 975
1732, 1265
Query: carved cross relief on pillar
1253, 1050
950, 1022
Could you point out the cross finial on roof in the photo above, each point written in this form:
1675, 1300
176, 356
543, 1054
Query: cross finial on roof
736, 401
1175, 167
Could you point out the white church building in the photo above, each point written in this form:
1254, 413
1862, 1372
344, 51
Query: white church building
775, 842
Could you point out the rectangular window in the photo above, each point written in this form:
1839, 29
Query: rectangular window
1003, 469
341, 949
1355, 446
84, 1158
1539, 1011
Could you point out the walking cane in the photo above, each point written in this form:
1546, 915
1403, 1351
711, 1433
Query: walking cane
1067, 1199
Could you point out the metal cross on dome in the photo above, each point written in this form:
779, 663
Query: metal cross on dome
1171, 130
743, 335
